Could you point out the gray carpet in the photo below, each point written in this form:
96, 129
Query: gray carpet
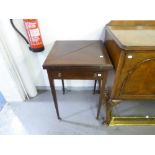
2, 101
78, 112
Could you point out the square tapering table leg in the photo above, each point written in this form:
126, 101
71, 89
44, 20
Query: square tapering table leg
53, 91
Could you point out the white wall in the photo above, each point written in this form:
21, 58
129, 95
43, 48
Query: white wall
78, 20
68, 27
62, 29
73, 20
7, 84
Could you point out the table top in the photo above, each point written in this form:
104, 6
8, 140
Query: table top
134, 36
78, 54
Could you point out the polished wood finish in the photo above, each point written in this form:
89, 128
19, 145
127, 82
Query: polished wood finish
77, 55
86, 60
94, 90
131, 47
113, 50
63, 86
102, 88
134, 23
51, 80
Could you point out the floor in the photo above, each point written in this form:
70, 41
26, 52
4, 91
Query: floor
78, 112
2, 101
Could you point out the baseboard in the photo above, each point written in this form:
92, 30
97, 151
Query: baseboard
68, 88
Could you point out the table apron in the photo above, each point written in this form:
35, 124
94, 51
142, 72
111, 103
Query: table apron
85, 75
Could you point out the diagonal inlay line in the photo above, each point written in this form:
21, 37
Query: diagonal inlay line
71, 52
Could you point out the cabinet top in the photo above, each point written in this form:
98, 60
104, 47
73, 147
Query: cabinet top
133, 35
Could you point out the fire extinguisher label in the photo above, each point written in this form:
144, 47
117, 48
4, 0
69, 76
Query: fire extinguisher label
34, 32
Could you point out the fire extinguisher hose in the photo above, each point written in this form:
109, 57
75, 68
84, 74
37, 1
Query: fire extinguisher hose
11, 21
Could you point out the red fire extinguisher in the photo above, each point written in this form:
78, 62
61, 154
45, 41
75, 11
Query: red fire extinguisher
33, 32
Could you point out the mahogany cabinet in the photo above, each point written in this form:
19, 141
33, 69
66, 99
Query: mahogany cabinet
131, 47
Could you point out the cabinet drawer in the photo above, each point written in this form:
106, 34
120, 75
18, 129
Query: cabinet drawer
75, 75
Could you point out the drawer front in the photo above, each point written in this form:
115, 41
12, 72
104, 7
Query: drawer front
136, 79
75, 75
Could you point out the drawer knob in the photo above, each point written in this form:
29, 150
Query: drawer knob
59, 75
97, 75
129, 56
147, 116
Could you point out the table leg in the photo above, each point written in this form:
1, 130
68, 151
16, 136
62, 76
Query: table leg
54, 96
102, 88
94, 90
63, 86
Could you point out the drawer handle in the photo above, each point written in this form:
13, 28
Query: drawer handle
59, 75
129, 56
97, 75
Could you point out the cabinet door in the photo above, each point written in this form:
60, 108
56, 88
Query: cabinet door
136, 79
